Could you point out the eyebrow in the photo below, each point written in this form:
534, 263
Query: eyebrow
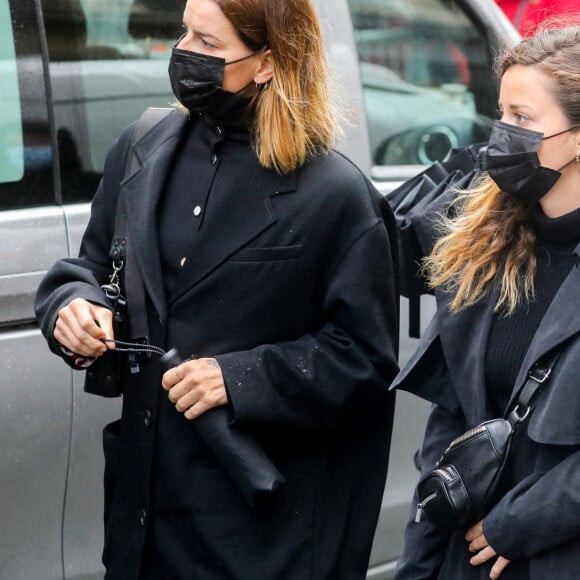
517, 106
201, 33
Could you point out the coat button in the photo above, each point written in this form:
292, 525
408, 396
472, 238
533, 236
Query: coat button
147, 418
214, 159
142, 517
197, 211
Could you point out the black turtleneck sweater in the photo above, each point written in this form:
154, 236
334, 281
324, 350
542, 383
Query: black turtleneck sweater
207, 148
511, 336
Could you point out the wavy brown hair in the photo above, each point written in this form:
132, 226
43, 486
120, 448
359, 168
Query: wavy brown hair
295, 116
491, 239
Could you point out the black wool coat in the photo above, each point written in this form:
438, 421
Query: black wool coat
292, 288
537, 523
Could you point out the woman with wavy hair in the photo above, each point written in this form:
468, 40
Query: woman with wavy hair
266, 258
506, 278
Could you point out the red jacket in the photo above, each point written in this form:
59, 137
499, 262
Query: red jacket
526, 15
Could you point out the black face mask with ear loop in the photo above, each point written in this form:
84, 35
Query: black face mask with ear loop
197, 82
511, 160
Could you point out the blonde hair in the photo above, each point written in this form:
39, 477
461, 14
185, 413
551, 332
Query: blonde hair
492, 233
295, 118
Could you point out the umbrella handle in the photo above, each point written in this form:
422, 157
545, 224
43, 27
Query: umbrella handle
238, 452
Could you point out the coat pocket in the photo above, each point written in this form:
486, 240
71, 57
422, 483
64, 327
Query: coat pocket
268, 254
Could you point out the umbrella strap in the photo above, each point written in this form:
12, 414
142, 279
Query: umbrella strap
135, 347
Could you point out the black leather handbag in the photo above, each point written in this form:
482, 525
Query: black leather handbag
105, 376
471, 475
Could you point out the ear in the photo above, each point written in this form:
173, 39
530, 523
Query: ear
576, 139
265, 70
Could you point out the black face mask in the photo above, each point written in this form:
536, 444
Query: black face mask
197, 79
511, 160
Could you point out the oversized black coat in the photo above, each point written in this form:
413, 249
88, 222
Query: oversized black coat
292, 288
537, 523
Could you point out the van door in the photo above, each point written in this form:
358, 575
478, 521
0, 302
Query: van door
107, 63
424, 81
35, 408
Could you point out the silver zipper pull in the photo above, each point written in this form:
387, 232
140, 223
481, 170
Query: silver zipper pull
421, 506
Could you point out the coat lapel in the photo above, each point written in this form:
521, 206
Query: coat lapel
464, 338
561, 321
233, 219
232, 222
142, 191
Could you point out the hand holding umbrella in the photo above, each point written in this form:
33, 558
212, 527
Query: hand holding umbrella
237, 451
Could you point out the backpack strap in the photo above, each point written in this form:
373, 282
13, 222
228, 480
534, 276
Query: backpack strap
122, 250
150, 117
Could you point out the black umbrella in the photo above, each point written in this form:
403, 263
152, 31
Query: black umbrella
238, 452
418, 204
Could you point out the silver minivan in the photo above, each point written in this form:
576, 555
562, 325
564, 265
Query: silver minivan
416, 76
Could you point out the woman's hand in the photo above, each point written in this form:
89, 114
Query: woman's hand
483, 551
81, 326
195, 386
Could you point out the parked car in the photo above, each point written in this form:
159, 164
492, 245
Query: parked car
417, 78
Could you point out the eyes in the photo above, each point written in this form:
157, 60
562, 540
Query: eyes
513, 117
196, 40
521, 118
207, 45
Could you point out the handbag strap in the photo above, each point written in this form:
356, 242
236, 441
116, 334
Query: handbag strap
537, 379
122, 250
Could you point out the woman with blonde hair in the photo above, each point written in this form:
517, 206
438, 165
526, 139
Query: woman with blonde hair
266, 258
507, 284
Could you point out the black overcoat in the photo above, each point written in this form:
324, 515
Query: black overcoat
292, 288
537, 523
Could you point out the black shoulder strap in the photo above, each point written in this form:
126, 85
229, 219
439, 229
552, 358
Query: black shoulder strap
150, 117
122, 250
536, 381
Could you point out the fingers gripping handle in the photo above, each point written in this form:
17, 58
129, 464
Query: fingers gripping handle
237, 451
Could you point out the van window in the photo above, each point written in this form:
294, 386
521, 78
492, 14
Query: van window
108, 63
11, 137
427, 79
